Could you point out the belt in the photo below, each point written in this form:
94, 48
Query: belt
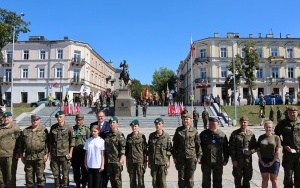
33, 152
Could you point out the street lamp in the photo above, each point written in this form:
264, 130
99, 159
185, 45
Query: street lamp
12, 67
234, 86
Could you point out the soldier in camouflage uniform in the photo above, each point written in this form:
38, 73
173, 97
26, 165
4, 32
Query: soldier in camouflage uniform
279, 114
115, 153
242, 144
82, 133
136, 155
195, 117
9, 138
159, 152
289, 130
186, 152
205, 116
33, 149
214, 145
62, 142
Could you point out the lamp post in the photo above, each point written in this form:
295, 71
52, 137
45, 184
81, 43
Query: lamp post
12, 68
234, 85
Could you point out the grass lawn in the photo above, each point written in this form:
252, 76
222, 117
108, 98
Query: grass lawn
18, 110
251, 111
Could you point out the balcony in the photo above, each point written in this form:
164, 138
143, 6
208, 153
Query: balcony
6, 62
201, 60
5, 81
77, 81
202, 82
275, 80
78, 62
276, 59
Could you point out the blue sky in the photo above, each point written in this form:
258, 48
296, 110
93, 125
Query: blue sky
155, 33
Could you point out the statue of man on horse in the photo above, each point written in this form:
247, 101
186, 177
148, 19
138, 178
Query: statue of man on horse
125, 73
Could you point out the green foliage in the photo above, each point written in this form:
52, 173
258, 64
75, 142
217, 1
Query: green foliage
136, 88
8, 21
162, 78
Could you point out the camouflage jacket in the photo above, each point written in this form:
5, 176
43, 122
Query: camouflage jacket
114, 146
61, 139
205, 115
34, 143
9, 138
136, 148
195, 115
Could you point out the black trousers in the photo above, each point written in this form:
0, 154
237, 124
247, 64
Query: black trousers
94, 178
104, 178
79, 170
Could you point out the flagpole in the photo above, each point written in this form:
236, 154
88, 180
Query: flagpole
192, 81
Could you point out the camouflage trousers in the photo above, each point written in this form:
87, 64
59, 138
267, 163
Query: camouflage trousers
8, 171
186, 169
217, 170
34, 168
291, 165
114, 171
205, 124
195, 121
136, 172
245, 172
60, 166
159, 174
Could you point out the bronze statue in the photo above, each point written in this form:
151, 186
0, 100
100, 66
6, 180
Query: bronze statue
125, 73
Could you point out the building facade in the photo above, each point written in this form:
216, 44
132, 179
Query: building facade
58, 67
279, 66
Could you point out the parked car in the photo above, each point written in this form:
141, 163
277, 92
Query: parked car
55, 102
278, 100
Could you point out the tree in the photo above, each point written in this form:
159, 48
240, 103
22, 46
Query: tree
162, 78
136, 89
8, 21
245, 68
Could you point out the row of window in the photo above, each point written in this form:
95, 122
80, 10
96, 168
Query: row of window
274, 51
42, 54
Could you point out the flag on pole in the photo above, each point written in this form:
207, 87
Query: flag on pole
56, 84
192, 48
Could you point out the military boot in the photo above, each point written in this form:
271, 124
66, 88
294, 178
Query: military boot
83, 185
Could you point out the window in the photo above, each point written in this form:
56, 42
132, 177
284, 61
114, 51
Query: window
41, 72
24, 72
7, 75
203, 73
290, 72
42, 54
274, 51
9, 56
223, 52
60, 54
259, 52
290, 52
259, 73
76, 75
41, 95
275, 72
58, 72
26, 54
202, 53
77, 56
223, 72
245, 92
242, 52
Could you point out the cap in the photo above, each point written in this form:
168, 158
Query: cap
6, 114
59, 113
135, 122
35, 117
186, 116
113, 118
157, 120
292, 108
79, 116
244, 118
214, 119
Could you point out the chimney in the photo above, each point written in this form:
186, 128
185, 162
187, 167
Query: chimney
288, 36
259, 35
250, 35
66, 38
216, 35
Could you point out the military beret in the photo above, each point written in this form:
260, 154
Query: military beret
113, 118
214, 119
6, 114
244, 118
79, 116
186, 116
35, 117
292, 108
135, 122
157, 120
59, 113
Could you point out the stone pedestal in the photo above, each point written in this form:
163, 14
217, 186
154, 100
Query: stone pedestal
125, 104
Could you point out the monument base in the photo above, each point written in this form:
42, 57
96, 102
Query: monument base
125, 104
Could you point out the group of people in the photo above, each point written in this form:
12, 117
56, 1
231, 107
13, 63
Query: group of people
97, 152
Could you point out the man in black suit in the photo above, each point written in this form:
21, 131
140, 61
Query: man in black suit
104, 128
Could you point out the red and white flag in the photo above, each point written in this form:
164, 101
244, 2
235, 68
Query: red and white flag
192, 48
56, 84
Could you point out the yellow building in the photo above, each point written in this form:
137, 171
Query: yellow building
278, 73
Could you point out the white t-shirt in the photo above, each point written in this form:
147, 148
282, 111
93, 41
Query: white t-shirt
93, 147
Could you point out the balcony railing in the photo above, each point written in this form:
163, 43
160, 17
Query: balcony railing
202, 60
6, 62
276, 59
5, 80
78, 61
275, 80
77, 80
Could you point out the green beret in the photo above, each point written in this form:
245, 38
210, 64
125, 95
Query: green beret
157, 120
135, 122
113, 118
79, 116
244, 118
292, 108
59, 113
6, 114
